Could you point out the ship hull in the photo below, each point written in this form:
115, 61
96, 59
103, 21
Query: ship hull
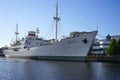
72, 49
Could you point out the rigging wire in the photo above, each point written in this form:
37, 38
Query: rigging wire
60, 32
72, 18
50, 31
101, 36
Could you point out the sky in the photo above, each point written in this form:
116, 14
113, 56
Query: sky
75, 15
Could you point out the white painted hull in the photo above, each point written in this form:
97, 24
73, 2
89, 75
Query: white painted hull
72, 46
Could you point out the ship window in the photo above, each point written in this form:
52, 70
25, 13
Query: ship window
38, 39
15, 49
77, 35
41, 44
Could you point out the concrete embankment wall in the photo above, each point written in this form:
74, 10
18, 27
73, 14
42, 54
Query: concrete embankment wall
103, 58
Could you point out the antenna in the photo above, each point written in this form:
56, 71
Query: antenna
37, 30
56, 18
16, 33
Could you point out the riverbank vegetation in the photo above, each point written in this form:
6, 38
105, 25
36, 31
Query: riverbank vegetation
114, 48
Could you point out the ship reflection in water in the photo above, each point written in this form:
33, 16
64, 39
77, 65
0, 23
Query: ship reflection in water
20, 69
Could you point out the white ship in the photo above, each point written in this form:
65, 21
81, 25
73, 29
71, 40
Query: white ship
74, 48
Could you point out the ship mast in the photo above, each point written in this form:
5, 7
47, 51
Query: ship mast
37, 30
56, 18
16, 33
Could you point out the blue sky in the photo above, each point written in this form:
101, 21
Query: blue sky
76, 15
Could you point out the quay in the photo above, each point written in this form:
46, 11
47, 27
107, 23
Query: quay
103, 58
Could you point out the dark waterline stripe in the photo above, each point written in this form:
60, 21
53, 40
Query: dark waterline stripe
52, 58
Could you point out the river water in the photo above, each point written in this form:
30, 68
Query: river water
23, 69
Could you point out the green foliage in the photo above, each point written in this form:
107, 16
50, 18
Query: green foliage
112, 48
119, 42
118, 48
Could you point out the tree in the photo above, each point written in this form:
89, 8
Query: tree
118, 48
112, 48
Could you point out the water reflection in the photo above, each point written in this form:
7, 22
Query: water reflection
105, 71
17, 69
